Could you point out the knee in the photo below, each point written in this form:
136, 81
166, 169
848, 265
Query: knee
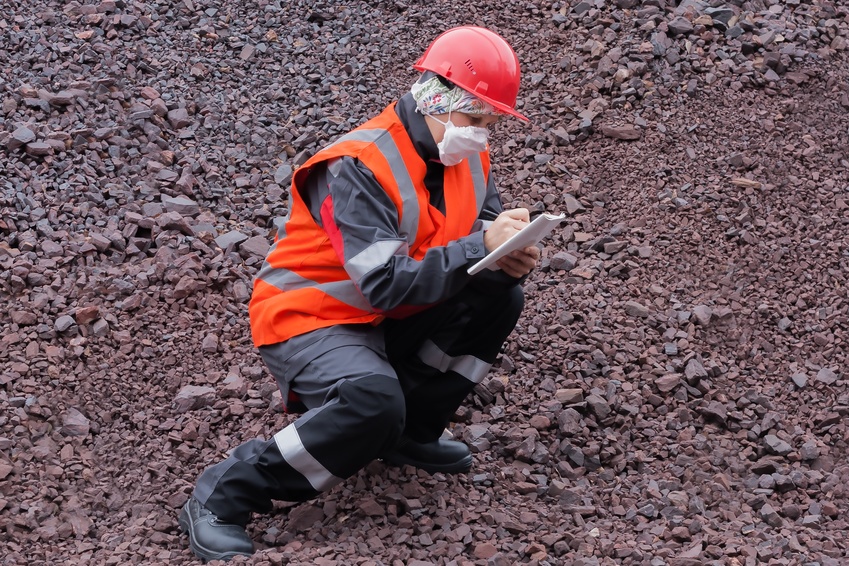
379, 402
507, 308
514, 303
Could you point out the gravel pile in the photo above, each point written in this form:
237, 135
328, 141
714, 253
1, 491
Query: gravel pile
675, 393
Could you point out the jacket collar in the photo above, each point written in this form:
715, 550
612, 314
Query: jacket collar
417, 128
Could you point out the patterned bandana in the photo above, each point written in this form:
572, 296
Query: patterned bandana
433, 97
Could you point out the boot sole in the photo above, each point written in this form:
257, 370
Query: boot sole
459, 467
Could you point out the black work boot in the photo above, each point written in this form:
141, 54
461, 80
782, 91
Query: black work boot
446, 456
209, 537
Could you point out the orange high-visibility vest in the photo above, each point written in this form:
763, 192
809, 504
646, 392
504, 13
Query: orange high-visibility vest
303, 286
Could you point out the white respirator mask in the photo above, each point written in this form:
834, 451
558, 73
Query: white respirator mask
460, 142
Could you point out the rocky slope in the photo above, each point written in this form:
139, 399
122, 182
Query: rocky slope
675, 393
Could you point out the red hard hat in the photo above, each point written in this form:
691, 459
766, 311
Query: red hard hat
479, 61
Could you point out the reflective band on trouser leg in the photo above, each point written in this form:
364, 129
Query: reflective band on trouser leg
363, 419
289, 443
247, 481
323, 447
456, 343
469, 367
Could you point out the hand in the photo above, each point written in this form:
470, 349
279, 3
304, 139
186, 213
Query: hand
504, 226
520, 262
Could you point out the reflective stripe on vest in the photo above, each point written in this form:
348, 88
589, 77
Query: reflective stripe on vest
383, 140
479, 179
343, 291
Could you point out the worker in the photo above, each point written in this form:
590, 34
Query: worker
363, 310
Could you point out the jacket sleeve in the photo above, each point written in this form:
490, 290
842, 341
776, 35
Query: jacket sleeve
362, 224
488, 280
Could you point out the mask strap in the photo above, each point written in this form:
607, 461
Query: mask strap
447, 120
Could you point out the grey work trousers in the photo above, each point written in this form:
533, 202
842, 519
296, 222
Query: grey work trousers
364, 386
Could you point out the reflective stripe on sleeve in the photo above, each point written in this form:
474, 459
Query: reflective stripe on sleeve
295, 453
470, 367
374, 256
